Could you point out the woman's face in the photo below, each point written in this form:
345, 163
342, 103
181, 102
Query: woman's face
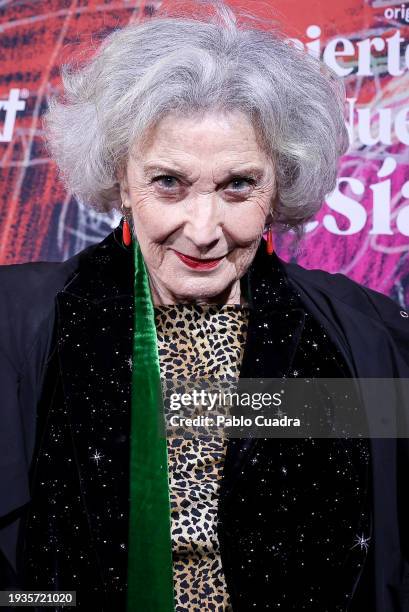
200, 191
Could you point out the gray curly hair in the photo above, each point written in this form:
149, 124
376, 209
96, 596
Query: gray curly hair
175, 63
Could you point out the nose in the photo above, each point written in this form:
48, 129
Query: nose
203, 226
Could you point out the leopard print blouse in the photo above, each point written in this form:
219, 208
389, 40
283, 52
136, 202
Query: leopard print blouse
198, 341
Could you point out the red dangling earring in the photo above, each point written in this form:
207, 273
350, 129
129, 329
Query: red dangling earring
270, 243
126, 233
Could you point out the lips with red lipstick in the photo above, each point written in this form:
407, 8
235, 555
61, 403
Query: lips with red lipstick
198, 263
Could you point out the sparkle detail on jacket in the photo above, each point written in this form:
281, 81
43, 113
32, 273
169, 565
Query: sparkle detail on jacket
207, 342
290, 512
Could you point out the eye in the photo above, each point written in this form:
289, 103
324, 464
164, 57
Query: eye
242, 183
166, 181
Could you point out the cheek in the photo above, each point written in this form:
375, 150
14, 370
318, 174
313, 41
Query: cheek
246, 224
153, 220
244, 256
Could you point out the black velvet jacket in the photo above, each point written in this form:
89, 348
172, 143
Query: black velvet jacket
65, 358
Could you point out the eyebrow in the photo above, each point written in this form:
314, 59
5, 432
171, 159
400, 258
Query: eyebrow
255, 172
152, 167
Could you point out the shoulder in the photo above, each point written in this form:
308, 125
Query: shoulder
27, 294
351, 295
20, 280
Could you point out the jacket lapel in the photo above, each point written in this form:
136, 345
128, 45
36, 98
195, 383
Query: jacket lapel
275, 326
95, 331
95, 336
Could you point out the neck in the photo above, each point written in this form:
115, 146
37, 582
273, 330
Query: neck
231, 295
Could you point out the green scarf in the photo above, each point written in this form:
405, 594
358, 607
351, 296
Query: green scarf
150, 577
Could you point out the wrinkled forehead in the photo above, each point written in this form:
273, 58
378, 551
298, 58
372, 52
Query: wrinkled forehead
212, 139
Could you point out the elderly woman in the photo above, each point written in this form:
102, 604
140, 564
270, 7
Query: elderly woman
207, 133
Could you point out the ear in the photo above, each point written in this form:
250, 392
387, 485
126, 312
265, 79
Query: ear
122, 177
269, 218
